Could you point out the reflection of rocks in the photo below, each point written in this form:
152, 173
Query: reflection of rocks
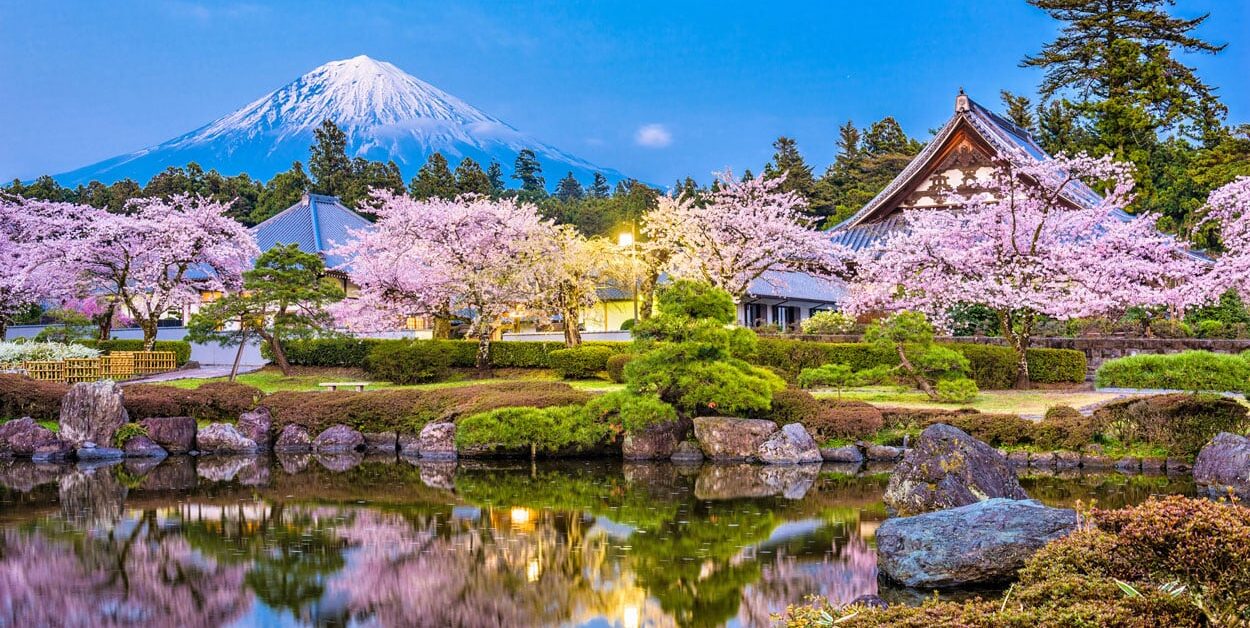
294, 439
91, 496
223, 438
222, 468
739, 481
841, 468
437, 441
949, 468
687, 452
25, 475
983, 542
731, 439
293, 463
256, 473
256, 425
338, 439
175, 473
789, 445
92, 412
440, 474
143, 447
339, 461
175, 433
138, 467
1223, 466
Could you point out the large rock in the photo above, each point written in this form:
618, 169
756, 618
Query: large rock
981, 543
175, 433
224, 438
143, 447
256, 425
687, 452
949, 468
90, 452
1223, 466
656, 442
730, 439
789, 445
294, 439
25, 438
437, 441
847, 454
381, 442
92, 412
338, 439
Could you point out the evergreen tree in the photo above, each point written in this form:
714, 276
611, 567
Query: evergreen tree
529, 172
1019, 110
789, 162
433, 180
747, 175
866, 162
848, 141
281, 192
367, 176
495, 173
886, 137
328, 162
599, 187
568, 189
471, 180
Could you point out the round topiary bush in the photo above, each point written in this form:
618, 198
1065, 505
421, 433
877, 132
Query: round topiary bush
583, 362
616, 366
1064, 427
414, 362
845, 419
957, 390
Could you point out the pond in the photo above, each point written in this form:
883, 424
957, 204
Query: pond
301, 540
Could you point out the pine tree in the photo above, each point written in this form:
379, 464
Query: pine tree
747, 175
599, 187
471, 180
434, 180
328, 163
848, 141
866, 162
1019, 110
568, 189
529, 172
885, 137
788, 161
282, 191
495, 173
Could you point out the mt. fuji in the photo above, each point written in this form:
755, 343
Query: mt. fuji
386, 113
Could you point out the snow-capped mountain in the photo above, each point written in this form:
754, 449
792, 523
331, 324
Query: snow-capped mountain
386, 113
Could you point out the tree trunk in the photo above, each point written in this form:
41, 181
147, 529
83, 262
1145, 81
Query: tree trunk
149, 328
646, 297
238, 356
572, 335
106, 321
482, 362
4, 329
921, 382
442, 328
1017, 328
279, 356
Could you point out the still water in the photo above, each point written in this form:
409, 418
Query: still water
345, 540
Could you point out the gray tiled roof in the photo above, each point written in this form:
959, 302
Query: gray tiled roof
771, 285
317, 224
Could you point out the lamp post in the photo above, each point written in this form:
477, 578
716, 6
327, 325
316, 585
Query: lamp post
626, 239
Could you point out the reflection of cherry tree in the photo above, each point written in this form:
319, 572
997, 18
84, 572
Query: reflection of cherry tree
851, 571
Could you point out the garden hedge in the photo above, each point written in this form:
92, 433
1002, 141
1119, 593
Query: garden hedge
215, 401
181, 348
1190, 370
353, 352
579, 362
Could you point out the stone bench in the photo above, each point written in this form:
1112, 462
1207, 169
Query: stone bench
333, 386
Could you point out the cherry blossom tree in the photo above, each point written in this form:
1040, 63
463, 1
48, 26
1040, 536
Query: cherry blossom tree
1228, 208
1036, 242
574, 268
161, 255
738, 232
472, 252
31, 270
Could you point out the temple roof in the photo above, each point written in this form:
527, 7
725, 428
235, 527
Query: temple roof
973, 126
316, 224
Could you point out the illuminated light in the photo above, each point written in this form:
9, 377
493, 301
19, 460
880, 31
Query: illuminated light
625, 239
520, 516
532, 570
629, 619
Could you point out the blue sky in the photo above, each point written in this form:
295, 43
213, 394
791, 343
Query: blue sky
657, 90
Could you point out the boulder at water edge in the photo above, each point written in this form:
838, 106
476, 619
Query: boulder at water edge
256, 426
92, 412
656, 442
223, 438
90, 452
729, 439
27, 439
949, 468
437, 441
980, 543
176, 434
687, 452
294, 439
789, 445
338, 439
381, 442
143, 447
1223, 466
847, 454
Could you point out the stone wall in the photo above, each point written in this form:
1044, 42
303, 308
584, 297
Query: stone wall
1097, 349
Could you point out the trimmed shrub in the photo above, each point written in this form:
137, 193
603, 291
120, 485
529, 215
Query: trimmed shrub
1052, 366
615, 366
21, 396
993, 429
1064, 427
537, 429
1178, 422
415, 362
215, 401
583, 362
1192, 370
630, 412
353, 352
342, 352
956, 390
846, 419
409, 410
828, 322
991, 367
181, 348
15, 352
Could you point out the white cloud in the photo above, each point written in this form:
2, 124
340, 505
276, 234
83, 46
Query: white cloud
653, 136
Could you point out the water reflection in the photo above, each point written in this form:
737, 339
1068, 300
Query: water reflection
342, 540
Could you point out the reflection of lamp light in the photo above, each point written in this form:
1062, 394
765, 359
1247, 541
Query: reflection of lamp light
532, 570
625, 239
629, 619
520, 516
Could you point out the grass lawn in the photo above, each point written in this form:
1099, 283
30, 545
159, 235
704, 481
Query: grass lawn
271, 380
1025, 402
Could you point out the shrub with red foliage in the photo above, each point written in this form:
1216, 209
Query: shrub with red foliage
22, 396
216, 401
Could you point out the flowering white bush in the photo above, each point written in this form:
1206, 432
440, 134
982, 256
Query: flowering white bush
12, 352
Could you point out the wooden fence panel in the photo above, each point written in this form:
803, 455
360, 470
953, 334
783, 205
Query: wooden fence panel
82, 370
46, 370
